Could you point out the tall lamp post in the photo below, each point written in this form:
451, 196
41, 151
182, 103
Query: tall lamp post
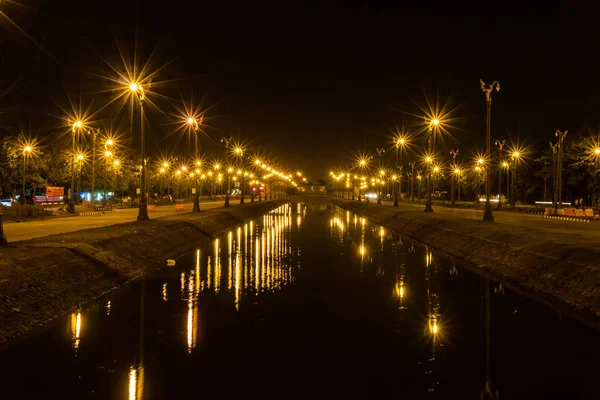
431, 136
239, 153
400, 142
77, 125
454, 154
227, 141
138, 92
412, 181
380, 153
194, 124
516, 155
561, 136
487, 213
26, 154
597, 158
500, 144
80, 158
94, 133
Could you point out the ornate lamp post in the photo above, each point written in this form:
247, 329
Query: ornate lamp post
487, 213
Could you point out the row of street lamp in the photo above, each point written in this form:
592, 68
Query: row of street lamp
434, 123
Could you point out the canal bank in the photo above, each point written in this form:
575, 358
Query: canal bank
43, 278
563, 271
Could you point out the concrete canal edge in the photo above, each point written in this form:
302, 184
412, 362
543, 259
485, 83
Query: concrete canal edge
44, 278
545, 270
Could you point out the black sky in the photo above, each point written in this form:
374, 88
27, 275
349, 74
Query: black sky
313, 84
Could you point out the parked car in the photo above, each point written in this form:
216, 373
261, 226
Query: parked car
6, 202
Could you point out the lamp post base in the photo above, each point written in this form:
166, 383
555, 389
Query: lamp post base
196, 207
143, 212
242, 199
396, 201
428, 207
379, 200
487, 212
226, 201
71, 207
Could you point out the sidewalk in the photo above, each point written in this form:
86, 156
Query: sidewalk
35, 228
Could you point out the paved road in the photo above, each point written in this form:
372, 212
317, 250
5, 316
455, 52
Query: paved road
17, 231
521, 219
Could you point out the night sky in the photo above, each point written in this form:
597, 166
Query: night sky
314, 84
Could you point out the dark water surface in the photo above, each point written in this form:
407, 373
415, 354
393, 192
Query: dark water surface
307, 302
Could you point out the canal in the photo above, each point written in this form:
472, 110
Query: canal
308, 301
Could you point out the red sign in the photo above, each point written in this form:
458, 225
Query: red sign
55, 191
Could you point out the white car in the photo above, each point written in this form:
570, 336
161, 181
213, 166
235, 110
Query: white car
6, 202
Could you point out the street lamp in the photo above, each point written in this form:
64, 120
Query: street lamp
457, 173
380, 153
239, 153
77, 126
227, 142
434, 123
454, 154
195, 125
487, 213
597, 158
506, 166
115, 167
400, 143
561, 136
27, 149
80, 158
516, 156
107, 156
138, 92
500, 144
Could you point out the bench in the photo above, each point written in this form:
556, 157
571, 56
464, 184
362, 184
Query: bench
549, 211
151, 208
579, 212
179, 207
569, 212
589, 212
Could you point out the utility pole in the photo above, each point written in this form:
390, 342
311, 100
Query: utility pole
487, 214
500, 144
